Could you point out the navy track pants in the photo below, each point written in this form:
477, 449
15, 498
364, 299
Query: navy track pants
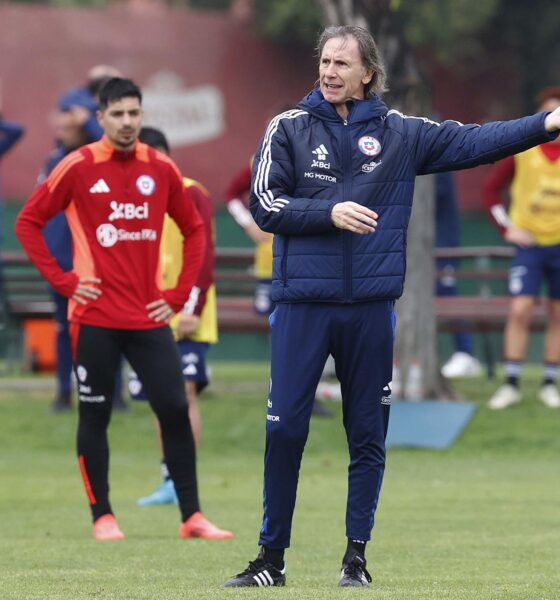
360, 338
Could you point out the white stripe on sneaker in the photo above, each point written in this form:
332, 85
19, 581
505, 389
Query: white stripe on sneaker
271, 581
256, 578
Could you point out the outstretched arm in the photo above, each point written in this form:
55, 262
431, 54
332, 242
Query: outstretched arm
450, 145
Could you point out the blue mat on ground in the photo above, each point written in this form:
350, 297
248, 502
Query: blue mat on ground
428, 424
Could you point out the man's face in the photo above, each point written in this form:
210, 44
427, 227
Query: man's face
69, 131
341, 73
122, 121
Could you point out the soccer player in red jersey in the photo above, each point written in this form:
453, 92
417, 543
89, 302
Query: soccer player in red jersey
115, 194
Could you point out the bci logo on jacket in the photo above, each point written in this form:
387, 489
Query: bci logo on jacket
128, 211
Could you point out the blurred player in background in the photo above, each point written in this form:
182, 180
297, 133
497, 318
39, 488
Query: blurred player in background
532, 225
82, 101
236, 197
196, 326
10, 133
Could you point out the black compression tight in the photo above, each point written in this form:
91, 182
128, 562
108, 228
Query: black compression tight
153, 354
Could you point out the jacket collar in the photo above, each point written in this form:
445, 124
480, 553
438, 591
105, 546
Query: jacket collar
110, 151
360, 110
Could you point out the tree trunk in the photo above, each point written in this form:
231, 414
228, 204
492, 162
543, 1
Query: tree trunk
416, 345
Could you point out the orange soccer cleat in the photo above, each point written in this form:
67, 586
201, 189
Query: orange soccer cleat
198, 526
106, 528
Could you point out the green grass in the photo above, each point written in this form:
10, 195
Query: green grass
480, 520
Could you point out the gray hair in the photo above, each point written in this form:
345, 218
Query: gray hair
369, 53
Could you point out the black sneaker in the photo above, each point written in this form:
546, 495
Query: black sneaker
354, 572
258, 574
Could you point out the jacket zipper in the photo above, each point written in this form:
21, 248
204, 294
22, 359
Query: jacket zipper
346, 237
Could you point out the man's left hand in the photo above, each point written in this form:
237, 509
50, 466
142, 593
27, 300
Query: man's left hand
160, 311
354, 217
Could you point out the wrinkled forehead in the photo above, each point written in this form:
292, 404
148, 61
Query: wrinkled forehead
346, 46
339, 44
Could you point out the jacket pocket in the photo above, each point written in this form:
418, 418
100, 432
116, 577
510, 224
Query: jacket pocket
284, 266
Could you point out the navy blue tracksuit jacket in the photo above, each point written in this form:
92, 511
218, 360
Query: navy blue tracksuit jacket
334, 289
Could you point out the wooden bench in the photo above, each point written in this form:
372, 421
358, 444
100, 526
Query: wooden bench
473, 313
25, 294
481, 314
477, 313
236, 314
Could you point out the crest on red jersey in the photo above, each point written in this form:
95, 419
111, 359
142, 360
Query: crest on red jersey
145, 185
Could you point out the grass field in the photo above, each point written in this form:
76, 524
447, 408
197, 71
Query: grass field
479, 521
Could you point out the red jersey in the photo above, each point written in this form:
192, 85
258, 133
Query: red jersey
239, 187
115, 203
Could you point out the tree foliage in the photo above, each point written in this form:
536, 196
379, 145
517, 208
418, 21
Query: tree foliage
288, 20
462, 28
205, 4
530, 29
449, 27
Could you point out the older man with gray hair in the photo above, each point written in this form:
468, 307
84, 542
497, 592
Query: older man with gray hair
333, 180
